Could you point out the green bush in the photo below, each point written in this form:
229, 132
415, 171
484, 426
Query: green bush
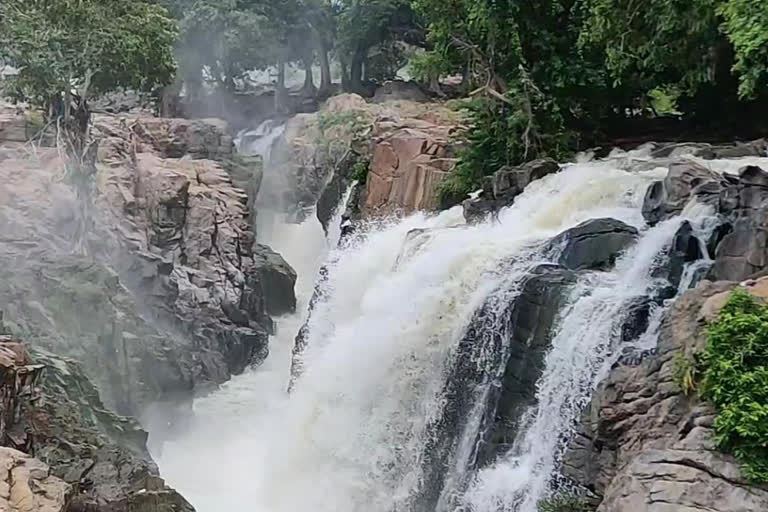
734, 369
564, 502
360, 173
527, 126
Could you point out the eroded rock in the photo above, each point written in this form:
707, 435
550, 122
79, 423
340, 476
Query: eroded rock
643, 445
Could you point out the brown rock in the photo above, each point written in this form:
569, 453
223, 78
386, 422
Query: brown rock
28, 486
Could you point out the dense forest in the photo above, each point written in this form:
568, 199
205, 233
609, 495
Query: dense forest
545, 78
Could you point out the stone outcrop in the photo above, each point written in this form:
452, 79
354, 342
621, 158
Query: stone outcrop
147, 272
643, 445
87, 459
594, 244
502, 187
406, 168
740, 245
408, 147
28, 486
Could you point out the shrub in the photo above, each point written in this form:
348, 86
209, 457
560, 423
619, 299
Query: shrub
564, 502
734, 369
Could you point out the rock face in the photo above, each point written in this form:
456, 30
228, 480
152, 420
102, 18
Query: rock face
28, 486
87, 459
533, 316
407, 146
594, 244
501, 188
518, 337
149, 275
407, 166
643, 445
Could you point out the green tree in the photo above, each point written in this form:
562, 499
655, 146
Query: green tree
69, 51
367, 24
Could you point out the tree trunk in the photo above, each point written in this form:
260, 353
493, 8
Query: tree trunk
280, 93
325, 70
356, 71
309, 80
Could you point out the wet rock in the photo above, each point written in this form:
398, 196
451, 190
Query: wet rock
514, 336
594, 244
685, 249
501, 189
740, 246
276, 279
684, 182
645, 446
529, 329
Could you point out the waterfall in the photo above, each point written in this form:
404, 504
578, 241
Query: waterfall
582, 352
400, 299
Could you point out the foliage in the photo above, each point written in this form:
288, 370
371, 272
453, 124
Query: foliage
90, 46
734, 370
746, 25
528, 125
686, 373
225, 39
564, 502
361, 170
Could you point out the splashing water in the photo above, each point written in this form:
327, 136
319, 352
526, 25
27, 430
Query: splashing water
350, 437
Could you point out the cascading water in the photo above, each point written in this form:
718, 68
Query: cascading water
381, 342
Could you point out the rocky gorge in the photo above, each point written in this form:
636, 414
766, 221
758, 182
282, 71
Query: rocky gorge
515, 347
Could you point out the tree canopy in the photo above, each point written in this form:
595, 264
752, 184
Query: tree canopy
84, 48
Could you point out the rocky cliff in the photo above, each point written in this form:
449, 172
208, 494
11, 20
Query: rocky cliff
146, 272
86, 458
402, 149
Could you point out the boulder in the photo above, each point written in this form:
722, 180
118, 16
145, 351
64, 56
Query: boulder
685, 181
399, 90
740, 245
28, 486
594, 244
501, 189
87, 458
643, 445
685, 249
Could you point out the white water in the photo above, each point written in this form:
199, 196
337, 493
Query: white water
350, 437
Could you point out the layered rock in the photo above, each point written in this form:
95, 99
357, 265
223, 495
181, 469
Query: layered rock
643, 445
408, 148
28, 486
502, 187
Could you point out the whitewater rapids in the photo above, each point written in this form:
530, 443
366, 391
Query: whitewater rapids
351, 435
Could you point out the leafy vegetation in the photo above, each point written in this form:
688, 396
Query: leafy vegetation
734, 369
565, 502
68, 52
